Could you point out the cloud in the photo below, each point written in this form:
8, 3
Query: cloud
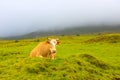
19, 17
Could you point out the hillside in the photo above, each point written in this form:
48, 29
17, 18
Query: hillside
68, 31
84, 57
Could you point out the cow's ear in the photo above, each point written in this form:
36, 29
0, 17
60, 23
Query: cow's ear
58, 41
48, 40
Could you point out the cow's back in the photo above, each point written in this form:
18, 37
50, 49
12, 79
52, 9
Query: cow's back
42, 49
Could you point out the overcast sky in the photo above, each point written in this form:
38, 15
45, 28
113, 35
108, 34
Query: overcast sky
23, 16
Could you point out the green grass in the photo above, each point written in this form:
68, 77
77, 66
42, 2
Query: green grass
79, 57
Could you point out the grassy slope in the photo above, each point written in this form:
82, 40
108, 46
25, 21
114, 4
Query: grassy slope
76, 59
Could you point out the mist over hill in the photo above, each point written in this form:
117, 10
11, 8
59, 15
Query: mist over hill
29, 19
68, 31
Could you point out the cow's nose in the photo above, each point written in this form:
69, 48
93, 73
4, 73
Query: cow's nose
53, 51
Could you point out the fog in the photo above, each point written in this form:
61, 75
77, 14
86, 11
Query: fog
23, 16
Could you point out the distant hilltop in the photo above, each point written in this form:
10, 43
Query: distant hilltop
68, 31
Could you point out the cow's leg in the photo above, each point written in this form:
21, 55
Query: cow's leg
53, 56
40, 56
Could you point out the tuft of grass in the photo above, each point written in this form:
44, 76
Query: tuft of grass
110, 38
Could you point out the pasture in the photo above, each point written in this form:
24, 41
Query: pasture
79, 57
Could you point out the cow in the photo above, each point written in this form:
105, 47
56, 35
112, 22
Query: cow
45, 49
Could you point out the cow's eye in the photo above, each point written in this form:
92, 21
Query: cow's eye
55, 42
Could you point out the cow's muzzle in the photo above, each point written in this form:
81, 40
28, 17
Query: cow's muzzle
53, 51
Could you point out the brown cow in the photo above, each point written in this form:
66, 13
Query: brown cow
45, 49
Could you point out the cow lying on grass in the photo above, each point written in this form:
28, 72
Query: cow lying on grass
45, 49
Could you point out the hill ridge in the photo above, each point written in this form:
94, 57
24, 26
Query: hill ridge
67, 31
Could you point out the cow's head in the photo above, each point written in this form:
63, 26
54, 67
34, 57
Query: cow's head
53, 42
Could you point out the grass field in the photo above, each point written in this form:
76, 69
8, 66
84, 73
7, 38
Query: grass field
79, 57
